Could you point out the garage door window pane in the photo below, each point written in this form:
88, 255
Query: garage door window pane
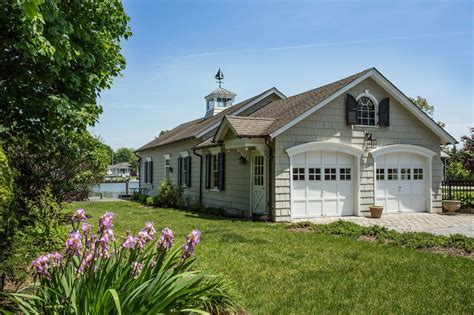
392, 173
380, 174
314, 173
417, 173
345, 174
329, 174
298, 173
405, 174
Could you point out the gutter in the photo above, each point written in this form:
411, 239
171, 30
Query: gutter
270, 177
200, 175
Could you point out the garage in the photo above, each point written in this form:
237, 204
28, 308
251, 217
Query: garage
323, 182
402, 179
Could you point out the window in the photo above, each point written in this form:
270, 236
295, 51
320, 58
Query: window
210, 104
314, 173
345, 174
298, 173
258, 170
329, 174
405, 174
223, 102
148, 171
380, 174
215, 172
417, 173
392, 173
167, 166
365, 111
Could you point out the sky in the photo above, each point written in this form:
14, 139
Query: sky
424, 47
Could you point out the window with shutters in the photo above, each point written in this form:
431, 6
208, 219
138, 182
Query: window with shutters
215, 172
365, 111
167, 167
148, 171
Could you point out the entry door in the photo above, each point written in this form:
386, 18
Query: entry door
258, 183
401, 182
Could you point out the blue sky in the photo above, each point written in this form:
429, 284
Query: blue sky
424, 47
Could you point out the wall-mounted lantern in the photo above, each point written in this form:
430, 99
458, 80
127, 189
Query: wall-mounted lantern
242, 160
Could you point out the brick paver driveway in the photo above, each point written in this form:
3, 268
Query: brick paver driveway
416, 222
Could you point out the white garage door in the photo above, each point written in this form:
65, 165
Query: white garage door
322, 184
401, 182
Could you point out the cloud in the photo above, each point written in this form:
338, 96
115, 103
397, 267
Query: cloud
328, 44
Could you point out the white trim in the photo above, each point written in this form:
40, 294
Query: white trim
414, 149
184, 153
215, 150
167, 156
397, 148
367, 93
250, 104
325, 146
148, 159
330, 146
391, 89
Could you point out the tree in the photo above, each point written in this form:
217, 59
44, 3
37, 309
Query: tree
162, 132
55, 59
423, 104
126, 155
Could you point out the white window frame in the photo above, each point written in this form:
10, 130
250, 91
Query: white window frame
167, 158
184, 170
367, 94
214, 172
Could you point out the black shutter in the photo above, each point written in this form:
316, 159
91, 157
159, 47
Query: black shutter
208, 171
188, 171
180, 171
351, 110
384, 112
151, 172
221, 170
146, 172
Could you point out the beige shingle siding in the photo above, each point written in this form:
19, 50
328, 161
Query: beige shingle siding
236, 196
329, 123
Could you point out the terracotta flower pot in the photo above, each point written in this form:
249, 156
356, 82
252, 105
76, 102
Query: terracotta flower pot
376, 211
451, 205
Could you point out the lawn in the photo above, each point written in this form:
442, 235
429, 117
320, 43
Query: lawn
287, 272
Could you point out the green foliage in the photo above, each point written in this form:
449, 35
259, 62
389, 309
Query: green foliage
6, 181
455, 170
423, 104
135, 280
162, 132
149, 201
170, 195
126, 155
415, 240
55, 59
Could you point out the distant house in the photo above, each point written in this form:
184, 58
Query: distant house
119, 169
331, 151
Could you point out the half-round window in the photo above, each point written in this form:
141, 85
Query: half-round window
365, 111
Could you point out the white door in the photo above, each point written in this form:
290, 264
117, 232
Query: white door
400, 183
322, 184
258, 172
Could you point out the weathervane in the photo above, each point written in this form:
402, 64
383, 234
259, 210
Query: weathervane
219, 77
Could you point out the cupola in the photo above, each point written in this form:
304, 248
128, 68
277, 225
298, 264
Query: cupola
220, 98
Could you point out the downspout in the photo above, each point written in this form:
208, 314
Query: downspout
270, 178
200, 175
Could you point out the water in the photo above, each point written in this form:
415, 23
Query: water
112, 190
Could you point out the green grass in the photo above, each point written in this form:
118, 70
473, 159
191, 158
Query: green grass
286, 272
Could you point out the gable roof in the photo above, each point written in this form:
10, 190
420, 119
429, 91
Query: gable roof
347, 84
201, 126
244, 126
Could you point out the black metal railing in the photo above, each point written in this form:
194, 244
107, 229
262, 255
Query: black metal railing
462, 190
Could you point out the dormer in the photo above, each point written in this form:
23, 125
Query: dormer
219, 99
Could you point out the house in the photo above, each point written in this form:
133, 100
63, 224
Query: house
331, 151
119, 169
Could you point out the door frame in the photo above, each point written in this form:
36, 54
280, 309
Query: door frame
414, 149
253, 154
354, 151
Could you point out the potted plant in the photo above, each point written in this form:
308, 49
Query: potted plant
451, 205
376, 211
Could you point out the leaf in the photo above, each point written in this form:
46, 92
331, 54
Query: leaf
116, 298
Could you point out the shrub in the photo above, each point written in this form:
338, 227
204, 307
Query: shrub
141, 276
142, 198
149, 201
156, 201
170, 195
